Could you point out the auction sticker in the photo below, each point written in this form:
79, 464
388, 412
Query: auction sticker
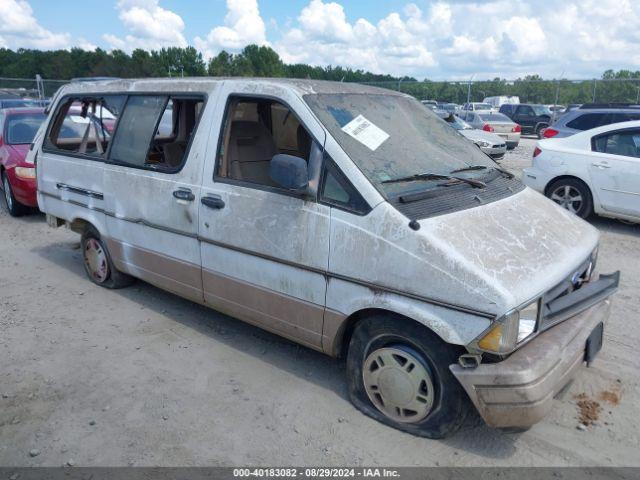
365, 132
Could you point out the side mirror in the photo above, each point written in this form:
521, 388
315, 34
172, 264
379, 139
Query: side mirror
289, 172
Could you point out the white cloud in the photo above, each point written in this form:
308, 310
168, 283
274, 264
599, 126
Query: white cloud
506, 38
243, 25
20, 29
325, 36
149, 25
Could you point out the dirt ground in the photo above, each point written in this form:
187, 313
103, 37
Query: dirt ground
141, 377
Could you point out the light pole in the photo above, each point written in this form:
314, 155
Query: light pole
469, 89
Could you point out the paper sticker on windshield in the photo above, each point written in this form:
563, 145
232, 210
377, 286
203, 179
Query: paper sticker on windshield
365, 132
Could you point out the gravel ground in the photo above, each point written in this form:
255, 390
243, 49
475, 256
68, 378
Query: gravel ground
141, 377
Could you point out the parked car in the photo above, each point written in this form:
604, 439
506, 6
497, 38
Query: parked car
533, 119
596, 171
478, 106
489, 143
17, 128
496, 123
431, 104
344, 218
18, 103
498, 101
587, 118
448, 107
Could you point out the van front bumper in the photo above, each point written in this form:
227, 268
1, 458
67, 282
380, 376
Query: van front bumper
518, 391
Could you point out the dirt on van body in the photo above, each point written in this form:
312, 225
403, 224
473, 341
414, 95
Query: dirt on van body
141, 377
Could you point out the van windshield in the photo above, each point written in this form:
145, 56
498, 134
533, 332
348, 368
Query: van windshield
394, 136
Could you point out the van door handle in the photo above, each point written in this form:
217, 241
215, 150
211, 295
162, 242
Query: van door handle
601, 165
213, 201
184, 194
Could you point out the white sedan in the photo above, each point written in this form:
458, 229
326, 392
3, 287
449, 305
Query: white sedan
595, 171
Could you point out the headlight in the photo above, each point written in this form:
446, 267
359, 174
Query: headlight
511, 329
28, 173
482, 143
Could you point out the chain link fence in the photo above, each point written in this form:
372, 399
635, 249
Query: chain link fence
35, 88
549, 92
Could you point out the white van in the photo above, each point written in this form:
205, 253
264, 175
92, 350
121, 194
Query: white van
346, 218
497, 102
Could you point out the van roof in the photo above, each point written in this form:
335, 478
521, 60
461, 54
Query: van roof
206, 84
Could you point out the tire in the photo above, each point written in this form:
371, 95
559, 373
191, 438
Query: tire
539, 130
15, 208
98, 264
400, 343
563, 190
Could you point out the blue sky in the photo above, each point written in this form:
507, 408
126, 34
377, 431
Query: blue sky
424, 38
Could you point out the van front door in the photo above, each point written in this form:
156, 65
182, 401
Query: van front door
265, 250
152, 191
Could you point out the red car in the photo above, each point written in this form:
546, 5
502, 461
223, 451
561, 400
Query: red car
18, 126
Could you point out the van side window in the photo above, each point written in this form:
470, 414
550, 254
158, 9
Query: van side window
155, 130
337, 191
255, 130
84, 125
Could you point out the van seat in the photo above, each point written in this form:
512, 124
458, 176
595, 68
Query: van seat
251, 148
174, 153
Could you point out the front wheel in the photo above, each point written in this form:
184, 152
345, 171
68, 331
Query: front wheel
573, 195
15, 208
98, 264
398, 373
540, 130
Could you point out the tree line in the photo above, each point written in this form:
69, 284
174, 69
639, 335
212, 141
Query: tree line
263, 61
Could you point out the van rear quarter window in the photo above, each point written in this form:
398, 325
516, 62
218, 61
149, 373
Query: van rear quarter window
84, 125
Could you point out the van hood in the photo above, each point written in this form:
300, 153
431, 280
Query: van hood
489, 259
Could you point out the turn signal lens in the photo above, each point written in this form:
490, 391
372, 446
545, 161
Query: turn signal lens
491, 341
27, 173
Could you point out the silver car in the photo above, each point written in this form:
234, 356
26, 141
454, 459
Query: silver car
494, 122
586, 118
489, 143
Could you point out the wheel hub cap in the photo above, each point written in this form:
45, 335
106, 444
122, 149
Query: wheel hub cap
96, 260
398, 384
567, 197
7, 192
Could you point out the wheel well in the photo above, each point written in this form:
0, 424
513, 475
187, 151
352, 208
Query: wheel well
563, 177
350, 324
80, 225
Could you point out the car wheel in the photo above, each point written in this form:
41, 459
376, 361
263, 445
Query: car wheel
98, 264
398, 373
13, 206
540, 130
573, 195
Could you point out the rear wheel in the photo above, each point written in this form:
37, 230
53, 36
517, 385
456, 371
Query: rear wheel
15, 208
540, 129
98, 264
398, 373
573, 195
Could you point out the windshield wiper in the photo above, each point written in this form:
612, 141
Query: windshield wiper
468, 169
483, 167
436, 176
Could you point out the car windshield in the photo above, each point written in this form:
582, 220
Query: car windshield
392, 136
18, 102
494, 117
483, 106
457, 123
541, 110
22, 128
